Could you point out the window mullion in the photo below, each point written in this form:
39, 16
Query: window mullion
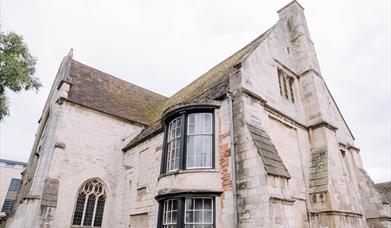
164, 152
182, 154
181, 212
213, 141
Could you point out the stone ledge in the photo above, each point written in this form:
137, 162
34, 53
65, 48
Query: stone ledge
337, 212
283, 199
381, 218
178, 172
31, 197
168, 193
310, 71
323, 124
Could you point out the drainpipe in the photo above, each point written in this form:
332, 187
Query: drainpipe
233, 158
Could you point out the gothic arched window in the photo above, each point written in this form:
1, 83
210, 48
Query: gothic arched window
90, 204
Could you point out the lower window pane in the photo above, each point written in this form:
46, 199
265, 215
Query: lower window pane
199, 151
170, 214
199, 212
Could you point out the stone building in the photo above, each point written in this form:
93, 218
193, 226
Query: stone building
257, 141
10, 179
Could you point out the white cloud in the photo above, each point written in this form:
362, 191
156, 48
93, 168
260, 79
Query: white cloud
150, 43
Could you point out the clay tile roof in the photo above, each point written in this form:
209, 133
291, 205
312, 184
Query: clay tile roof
385, 190
100, 91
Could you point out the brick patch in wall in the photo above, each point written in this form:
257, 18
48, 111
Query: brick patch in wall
224, 162
224, 135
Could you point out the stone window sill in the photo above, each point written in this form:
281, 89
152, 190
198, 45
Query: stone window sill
189, 171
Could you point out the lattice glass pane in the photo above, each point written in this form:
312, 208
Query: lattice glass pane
7, 206
89, 210
99, 211
78, 215
90, 204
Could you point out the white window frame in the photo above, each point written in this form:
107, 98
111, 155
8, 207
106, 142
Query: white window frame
199, 134
96, 183
202, 210
170, 212
170, 140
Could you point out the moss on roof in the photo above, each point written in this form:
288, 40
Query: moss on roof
385, 190
213, 77
100, 91
103, 92
208, 86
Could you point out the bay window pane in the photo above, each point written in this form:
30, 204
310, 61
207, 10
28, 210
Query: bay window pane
198, 204
170, 213
191, 124
208, 123
173, 144
199, 212
207, 216
199, 141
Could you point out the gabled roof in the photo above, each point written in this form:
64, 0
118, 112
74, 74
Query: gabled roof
209, 86
105, 93
102, 92
213, 77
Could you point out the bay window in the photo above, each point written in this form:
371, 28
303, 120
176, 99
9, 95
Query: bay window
187, 212
189, 141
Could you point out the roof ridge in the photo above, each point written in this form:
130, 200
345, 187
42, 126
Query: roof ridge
381, 183
262, 36
119, 79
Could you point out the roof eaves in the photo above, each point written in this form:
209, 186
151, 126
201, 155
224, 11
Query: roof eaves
124, 119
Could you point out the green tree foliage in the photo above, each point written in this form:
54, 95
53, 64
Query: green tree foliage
17, 67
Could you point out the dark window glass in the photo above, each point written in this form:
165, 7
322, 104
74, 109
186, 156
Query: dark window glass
291, 90
15, 185
286, 84
89, 210
99, 211
7, 206
79, 209
90, 204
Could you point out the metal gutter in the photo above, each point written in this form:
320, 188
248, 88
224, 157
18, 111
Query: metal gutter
233, 158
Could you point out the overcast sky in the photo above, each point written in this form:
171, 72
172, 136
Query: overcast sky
163, 45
